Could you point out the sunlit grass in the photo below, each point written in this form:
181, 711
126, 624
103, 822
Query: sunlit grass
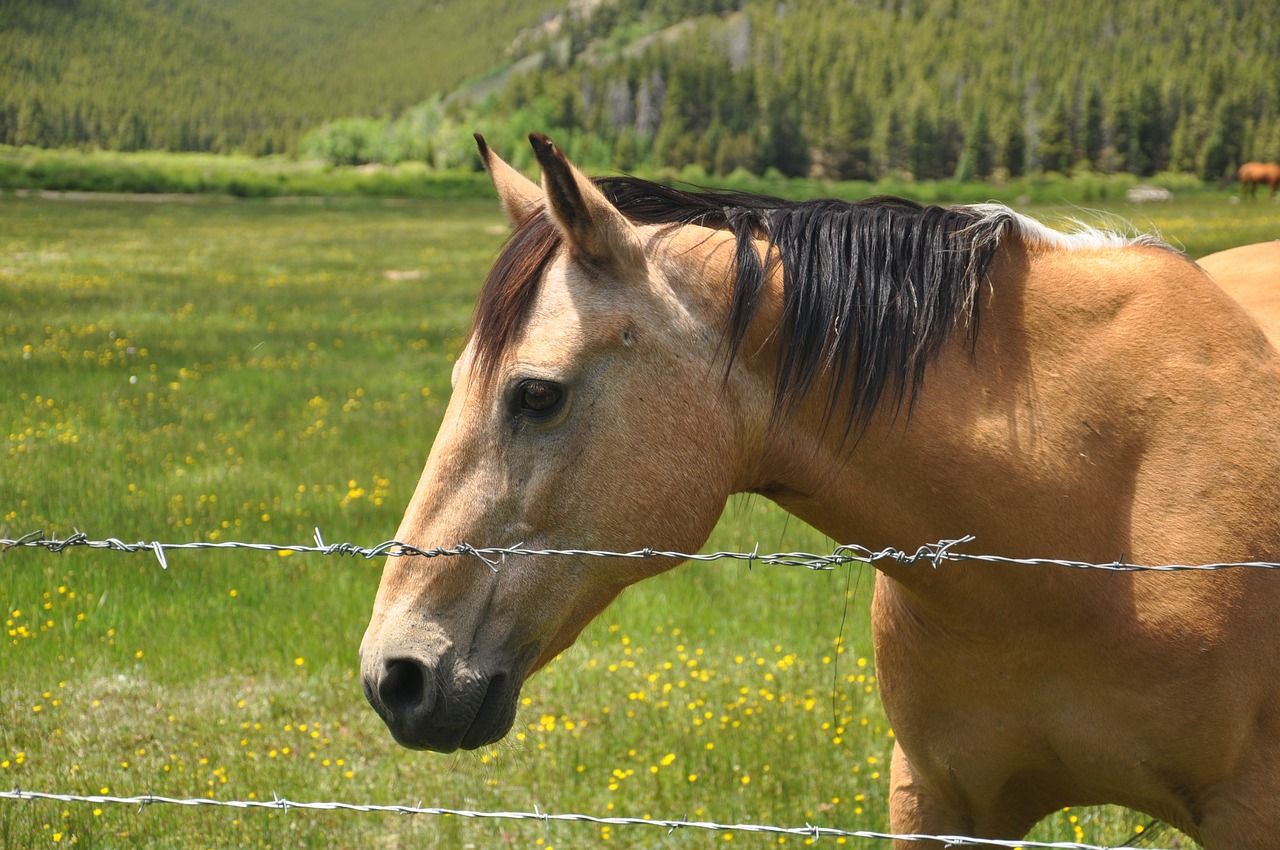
248, 371
1197, 227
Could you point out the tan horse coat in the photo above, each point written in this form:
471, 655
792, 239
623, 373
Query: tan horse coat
1141, 433
1117, 404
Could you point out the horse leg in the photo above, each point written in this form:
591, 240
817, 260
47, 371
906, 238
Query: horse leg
1246, 823
915, 808
1242, 814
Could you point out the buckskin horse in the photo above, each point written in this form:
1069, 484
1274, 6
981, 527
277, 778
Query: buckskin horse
894, 375
1252, 174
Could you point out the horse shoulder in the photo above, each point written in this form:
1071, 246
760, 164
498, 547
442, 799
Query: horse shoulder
1184, 375
1137, 307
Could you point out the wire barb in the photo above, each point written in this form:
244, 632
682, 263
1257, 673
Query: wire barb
937, 555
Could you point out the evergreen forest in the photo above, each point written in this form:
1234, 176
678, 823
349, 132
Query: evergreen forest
838, 89
241, 76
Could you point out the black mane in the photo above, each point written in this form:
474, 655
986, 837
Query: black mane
872, 290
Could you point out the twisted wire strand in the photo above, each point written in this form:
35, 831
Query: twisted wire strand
813, 831
934, 554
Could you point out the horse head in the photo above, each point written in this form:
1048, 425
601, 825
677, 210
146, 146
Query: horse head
583, 363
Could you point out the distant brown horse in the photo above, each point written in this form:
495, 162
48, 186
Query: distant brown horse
894, 375
1252, 174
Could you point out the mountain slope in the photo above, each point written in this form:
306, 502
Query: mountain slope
235, 74
928, 88
845, 89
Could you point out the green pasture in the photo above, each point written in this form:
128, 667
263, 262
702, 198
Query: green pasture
68, 170
250, 370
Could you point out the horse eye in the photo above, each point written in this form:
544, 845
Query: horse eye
538, 398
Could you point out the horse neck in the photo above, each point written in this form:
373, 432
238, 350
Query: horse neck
860, 483
938, 470
1087, 422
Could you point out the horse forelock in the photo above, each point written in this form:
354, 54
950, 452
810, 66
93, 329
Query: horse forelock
509, 290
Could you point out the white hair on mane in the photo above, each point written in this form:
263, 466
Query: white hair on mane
1081, 237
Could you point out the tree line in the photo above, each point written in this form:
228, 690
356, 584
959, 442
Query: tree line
235, 76
845, 89
857, 89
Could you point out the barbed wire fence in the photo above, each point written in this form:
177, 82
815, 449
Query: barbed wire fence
934, 555
811, 831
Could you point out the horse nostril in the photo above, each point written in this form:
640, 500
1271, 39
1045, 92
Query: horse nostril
403, 688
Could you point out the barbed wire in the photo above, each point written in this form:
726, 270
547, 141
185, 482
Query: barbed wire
935, 554
807, 831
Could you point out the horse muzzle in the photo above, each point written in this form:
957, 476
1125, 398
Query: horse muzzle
440, 704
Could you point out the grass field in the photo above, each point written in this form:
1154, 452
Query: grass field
222, 370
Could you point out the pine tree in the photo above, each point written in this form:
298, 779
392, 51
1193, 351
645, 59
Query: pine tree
1054, 153
976, 159
31, 128
922, 159
1013, 148
1091, 138
673, 144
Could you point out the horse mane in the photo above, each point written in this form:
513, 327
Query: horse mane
872, 289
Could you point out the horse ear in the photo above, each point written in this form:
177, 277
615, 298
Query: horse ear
520, 197
595, 230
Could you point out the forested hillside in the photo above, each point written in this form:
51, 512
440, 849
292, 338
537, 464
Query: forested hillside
846, 89
927, 88
243, 75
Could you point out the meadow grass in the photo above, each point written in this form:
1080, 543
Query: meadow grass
26, 169
251, 371
70, 170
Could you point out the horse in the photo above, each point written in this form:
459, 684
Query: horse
894, 375
1251, 275
1251, 174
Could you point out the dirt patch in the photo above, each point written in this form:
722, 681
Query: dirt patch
402, 274
137, 197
